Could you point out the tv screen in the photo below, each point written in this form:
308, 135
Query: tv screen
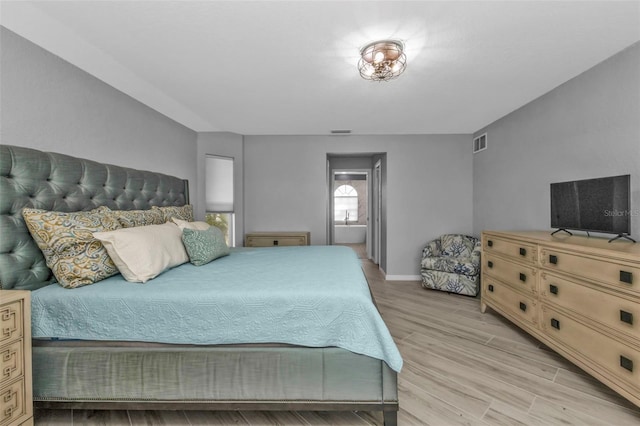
598, 205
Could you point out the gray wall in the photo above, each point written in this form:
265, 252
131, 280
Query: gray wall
51, 105
428, 188
587, 127
223, 144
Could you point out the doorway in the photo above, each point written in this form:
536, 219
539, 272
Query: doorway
355, 208
351, 209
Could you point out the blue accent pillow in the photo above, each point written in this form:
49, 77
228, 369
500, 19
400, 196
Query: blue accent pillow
204, 246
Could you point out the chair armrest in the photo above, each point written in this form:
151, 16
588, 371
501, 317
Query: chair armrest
432, 249
475, 254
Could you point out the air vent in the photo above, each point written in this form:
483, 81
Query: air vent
480, 143
340, 132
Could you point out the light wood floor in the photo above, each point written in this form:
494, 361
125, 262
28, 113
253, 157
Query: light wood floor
461, 368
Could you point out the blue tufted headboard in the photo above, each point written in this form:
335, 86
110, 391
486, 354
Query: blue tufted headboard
50, 181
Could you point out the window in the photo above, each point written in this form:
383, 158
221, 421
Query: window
345, 204
219, 195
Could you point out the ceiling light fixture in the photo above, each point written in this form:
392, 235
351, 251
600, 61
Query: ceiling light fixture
382, 60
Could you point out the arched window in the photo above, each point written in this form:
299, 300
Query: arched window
345, 204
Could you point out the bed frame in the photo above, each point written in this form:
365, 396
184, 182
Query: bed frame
139, 376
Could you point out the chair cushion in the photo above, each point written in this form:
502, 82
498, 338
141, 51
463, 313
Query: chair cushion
453, 283
457, 245
463, 266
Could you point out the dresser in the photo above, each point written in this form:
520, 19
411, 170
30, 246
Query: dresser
15, 358
578, 295
270, 239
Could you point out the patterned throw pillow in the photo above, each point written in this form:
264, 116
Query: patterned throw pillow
132, 218
204, 246
66, 240
181, 212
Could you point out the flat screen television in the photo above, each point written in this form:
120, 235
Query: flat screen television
597, 205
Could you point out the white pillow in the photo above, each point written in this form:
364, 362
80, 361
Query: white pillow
144, 252
183, 224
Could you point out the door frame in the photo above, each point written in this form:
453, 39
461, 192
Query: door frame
376, 210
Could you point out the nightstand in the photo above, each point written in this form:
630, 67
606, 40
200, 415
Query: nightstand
270, 239
15, 358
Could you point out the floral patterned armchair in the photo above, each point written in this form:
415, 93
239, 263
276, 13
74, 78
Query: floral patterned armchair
452, 263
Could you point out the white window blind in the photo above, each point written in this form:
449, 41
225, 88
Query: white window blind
219, 184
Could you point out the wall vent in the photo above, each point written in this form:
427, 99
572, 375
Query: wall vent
340, 131
480, 143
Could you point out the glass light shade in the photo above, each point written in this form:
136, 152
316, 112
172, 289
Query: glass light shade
382, 60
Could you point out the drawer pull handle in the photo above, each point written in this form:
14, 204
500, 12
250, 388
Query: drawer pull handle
626, 277
523, 251
626, 317
555, 323
491, 288
523, 277
490, 264
626, 363
490, 243
553, 289
523, 307
553, 259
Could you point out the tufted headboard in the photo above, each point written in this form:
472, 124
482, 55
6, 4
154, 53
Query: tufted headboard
50, 181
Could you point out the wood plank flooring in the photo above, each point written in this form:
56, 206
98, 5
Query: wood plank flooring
461, 367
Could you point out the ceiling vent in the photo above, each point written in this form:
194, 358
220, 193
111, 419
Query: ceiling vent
480, 143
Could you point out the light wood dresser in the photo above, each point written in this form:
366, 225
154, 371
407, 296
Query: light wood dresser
580, 296
15, 358
270, 239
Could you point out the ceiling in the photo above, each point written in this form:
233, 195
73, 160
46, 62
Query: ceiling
289, 67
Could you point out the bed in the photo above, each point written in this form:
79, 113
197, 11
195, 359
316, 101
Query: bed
185, 340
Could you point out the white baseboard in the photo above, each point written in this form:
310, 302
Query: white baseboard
403, 277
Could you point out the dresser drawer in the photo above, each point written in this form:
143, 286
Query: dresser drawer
618, 359
10, 321
11, 360
611, 311
516, 275
279, 239
506, 299
12, 398
618, 274
514, 249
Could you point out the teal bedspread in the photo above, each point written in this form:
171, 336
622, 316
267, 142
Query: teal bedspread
314, 296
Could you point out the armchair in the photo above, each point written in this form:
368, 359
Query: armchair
452, 263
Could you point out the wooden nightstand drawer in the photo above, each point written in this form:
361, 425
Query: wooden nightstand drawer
613, 312
619, 359
10, 321
621, 275
277, 239
520, 277
13, 401
11, 359
16, 406
514, 249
